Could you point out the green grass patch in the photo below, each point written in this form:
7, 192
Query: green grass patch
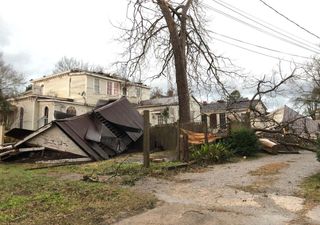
311, 188
33, 197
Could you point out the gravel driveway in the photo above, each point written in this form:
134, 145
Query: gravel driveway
234, 194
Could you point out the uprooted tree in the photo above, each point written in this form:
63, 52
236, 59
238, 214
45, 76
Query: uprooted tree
291, 130
175, 33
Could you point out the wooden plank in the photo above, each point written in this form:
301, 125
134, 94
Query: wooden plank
31, 149
7, 152
57, 161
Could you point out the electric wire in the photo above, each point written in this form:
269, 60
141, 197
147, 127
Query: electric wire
260, 46
265, 24
287, 18
256, 52
262, 30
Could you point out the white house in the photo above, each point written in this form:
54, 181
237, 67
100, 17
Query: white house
218, 113
73, 92
165, 110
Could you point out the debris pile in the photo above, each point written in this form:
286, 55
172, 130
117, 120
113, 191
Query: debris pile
98, 135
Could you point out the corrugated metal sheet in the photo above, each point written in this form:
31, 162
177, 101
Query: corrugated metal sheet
105, 131
121, 115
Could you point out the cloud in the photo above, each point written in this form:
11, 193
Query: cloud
4, 34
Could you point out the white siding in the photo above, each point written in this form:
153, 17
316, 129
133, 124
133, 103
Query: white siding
54, 138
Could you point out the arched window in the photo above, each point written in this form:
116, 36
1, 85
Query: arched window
21, 115
71, 111
46, 115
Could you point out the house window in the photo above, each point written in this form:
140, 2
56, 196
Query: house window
96, 86
71, 111
223, 120
116, 88
46, 115
213, 120
138, 91
109, 88
21, 115
160, 119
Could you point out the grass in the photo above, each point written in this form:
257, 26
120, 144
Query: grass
120, 171
311, 188
33, 197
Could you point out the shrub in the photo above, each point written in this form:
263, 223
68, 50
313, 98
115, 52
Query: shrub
318, 155
243, 141
212, 153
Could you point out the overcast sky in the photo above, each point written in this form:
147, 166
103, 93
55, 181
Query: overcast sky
35, 34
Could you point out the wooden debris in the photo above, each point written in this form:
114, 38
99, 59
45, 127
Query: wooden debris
59, 161
269, 146
200, 138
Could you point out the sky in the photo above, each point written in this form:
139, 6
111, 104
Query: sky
35, 34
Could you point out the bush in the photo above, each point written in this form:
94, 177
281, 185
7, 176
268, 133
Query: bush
318, 155
212, 153
243, 141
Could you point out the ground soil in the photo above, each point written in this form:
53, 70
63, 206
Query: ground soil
262, 191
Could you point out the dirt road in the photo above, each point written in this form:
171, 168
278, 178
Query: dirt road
257, 192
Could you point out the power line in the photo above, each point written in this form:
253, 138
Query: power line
256, 52
262, 47
264, 23
262, 30
279, 13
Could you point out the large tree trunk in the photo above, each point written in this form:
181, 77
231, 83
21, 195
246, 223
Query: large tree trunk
178, 42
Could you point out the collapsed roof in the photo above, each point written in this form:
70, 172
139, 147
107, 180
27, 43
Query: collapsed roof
98, 135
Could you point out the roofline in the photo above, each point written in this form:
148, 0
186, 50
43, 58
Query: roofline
34, 134
69, 102
46, 77
83, 72
149, 106
38, 96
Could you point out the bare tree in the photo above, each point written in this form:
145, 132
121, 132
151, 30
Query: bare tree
175, 33
10, 79
309, 92
11, 82
65, 64
156, 93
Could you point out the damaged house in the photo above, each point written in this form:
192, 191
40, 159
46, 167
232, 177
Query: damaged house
165, 110
221, 112
73, 92
290, 122
104, 132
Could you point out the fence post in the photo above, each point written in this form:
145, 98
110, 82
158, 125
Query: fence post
185, 148
178, 140
146, 138
2, 127
205, 121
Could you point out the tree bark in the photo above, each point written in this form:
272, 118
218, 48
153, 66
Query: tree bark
178, 42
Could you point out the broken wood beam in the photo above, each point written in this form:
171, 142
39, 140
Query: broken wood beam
269, 146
